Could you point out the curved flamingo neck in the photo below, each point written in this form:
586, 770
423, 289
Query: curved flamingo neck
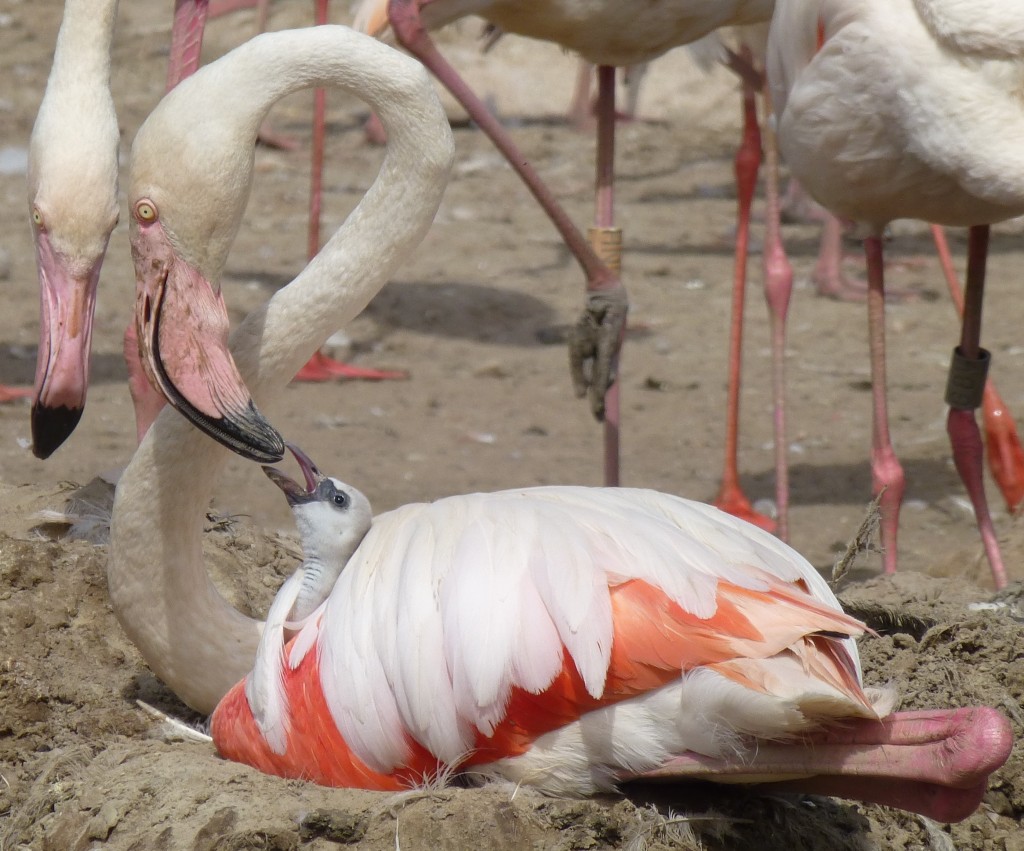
190, 636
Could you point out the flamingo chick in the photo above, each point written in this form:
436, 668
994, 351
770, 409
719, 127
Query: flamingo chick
893, 109
577, 638
332, 518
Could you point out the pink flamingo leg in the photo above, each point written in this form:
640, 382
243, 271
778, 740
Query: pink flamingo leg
828, 277
932, 762
186, 39
598, 333
886, 471
1002, 442
320, 367
964, 393
748, 160
778, 288
145, 399
580, 114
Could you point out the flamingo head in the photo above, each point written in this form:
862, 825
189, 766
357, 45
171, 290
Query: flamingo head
332, 517
189, 185
182, 328
72, 183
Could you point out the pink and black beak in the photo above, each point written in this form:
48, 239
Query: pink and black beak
182, 327
295, 493
67, 301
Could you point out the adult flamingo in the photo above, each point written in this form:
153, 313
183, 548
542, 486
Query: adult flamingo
72, 188
606, 33
907, 109
568, 638
633, 600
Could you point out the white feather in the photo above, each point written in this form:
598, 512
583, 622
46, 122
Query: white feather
264, 687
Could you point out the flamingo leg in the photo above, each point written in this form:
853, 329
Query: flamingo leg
964, 393
186, 39
778, 288
1002, 442
580, 113
935, 763
320, 367
748, 160
607, 242
886, 471
828, 277
598, 333
10, 394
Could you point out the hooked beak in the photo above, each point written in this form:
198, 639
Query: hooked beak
182, 327
67, 301
293, 491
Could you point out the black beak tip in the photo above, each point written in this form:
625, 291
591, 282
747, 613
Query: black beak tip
52, 426
259, 440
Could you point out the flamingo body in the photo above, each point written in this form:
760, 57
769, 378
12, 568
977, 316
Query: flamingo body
604, 32
908, 109
500, 631
893, 118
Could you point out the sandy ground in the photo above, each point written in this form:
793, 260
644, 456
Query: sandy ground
476, 317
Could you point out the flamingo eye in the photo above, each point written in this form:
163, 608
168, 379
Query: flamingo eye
145, 211
340, 499
37, 217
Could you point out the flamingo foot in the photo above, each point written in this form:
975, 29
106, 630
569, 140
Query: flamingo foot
838, 287
219, 8
11, 394
373, 131
1003, 446
270, 138
322, 368
965, 438
733, 501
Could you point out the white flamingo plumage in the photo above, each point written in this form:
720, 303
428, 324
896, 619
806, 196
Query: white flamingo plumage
908, 109
516, 625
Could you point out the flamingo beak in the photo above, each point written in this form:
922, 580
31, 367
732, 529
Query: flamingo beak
67, 301
182, 327
293, 491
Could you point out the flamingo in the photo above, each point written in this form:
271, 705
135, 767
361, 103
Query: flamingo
72, 189
904, 110
606, 34
575, 639
558, 634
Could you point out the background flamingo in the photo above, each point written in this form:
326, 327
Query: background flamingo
72, 197
606, 34
900, 143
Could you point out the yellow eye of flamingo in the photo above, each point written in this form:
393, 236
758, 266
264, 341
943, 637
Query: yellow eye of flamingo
145, 211
37, 217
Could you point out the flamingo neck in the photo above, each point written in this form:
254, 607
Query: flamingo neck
82, 54
76, 121
190, 636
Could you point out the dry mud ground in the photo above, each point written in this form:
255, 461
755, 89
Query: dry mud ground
487, 406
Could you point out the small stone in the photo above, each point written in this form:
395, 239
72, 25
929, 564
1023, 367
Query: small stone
103, 822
